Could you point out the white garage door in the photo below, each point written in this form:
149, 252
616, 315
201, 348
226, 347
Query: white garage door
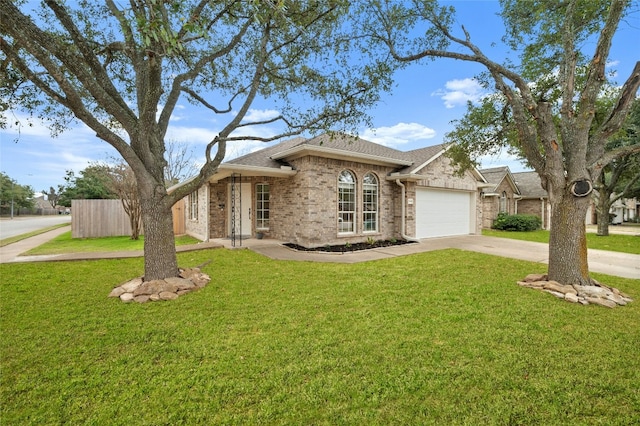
440, 213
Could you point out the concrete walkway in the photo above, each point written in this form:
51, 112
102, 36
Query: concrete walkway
606, 262
12, 253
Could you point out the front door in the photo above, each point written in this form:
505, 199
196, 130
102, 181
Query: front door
240, 214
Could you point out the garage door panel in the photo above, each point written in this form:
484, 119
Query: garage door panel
442, 213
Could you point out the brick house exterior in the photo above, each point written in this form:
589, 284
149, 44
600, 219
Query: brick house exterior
502, 196
535, 199
336, 189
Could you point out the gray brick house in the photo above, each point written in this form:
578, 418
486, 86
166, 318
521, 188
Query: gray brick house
535, 199
501, 196
336, 189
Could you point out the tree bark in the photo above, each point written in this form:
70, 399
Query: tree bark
603, 207
160, 259
603, 225
568, 262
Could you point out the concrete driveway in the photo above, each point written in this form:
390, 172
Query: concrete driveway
606, 262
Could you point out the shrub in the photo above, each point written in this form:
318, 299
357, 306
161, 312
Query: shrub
517, 222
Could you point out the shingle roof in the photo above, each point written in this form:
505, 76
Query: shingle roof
529, 184
494, 176
408, 160
357, 145
262, 157
420, 157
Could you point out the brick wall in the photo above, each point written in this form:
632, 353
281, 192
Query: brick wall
197, 227
535, 206
491, 204
307, 208
303, 208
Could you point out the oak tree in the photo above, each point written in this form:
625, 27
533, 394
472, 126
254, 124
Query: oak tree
551, 119
122, 67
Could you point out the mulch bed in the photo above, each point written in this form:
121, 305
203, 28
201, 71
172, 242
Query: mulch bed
349, 247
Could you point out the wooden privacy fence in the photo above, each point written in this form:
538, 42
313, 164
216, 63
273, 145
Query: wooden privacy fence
98, 218
177, 210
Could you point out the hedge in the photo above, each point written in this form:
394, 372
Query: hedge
517, 222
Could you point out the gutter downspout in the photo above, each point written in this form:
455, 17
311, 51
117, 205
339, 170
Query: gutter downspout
402, 229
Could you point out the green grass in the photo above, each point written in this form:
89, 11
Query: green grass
613, 242
442, 337
65, 244
16, 238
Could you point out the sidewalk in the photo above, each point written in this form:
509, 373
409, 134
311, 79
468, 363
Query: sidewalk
606, 262
12, 253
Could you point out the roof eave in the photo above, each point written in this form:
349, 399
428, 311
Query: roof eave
225, 170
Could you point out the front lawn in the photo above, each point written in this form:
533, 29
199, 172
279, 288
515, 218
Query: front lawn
65, 244
442, 337
612, 242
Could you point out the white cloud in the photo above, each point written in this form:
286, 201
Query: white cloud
254, 115
398, 134
198, 135
458, 92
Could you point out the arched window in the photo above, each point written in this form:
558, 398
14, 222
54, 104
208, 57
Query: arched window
370, 203
503, 202
346, 202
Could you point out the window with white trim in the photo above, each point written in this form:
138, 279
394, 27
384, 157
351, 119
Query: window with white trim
262, 206
346, 202
193, 205
370, 203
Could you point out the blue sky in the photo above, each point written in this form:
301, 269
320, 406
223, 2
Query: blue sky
416, 114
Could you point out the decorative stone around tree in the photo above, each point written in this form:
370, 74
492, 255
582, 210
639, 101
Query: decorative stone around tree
137, 290
598, 294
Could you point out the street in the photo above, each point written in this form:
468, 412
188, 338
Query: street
23, 224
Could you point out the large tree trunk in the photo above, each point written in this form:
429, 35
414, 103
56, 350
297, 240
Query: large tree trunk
160, 260
568, 241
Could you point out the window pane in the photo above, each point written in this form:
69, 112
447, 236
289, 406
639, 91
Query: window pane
346, 201
262, 206
370, 203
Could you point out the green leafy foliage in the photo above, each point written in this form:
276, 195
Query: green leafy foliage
517, 222
93, 183
11, 192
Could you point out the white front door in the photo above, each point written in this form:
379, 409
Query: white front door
240, 213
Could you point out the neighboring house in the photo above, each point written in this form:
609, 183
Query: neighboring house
333, 190
534, 199
622, 210
501, 196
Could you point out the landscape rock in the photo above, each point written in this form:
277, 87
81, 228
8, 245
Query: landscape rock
556, 286
571, 297
154, 287
116, 292
167, 295
597, 294
535, 277
126, 297
181, 283
131, 285
171, 288
141, 298
602, 302
555, 293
